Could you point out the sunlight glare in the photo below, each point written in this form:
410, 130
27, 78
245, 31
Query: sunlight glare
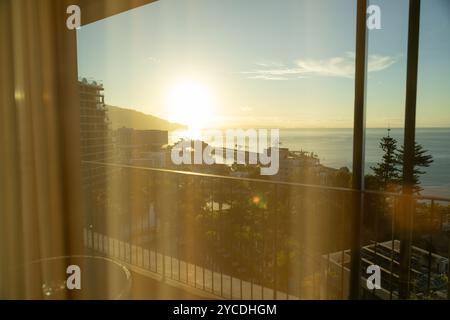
190, 103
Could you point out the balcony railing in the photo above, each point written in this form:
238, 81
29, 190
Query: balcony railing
245, 238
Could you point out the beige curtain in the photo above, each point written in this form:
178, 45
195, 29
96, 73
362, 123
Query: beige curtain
39, 179
40, 203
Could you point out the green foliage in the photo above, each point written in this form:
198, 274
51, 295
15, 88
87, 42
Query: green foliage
386, 171
388, 175
421, 160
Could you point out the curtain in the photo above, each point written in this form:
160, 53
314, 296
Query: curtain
40, 207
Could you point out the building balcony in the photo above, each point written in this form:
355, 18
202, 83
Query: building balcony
244, 238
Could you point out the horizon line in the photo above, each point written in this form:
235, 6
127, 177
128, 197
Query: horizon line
270, 127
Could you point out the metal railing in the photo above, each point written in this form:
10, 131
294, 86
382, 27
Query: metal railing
245, 238
430, 242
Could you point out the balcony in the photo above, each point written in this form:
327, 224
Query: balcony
241, 238
220, 236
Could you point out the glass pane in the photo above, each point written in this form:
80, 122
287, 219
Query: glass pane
194, 70
385, 208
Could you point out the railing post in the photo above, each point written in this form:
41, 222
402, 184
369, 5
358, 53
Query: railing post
275, 262
448, 268
358, 147
409, 143
430, 248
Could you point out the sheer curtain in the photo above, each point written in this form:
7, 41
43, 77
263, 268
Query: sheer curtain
40, 207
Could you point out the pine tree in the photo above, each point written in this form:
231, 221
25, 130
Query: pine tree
386, 171
421, 160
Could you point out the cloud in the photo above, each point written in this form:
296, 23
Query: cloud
269, 64
379, 63
341, 67
266, 77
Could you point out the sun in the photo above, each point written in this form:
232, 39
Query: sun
191, 103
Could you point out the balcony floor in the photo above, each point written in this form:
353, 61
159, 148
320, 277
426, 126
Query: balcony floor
146, 288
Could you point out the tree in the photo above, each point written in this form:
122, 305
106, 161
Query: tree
386, 171
421, 160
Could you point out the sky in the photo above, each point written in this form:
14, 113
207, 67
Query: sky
266, 63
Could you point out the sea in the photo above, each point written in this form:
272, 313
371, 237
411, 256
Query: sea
334, 149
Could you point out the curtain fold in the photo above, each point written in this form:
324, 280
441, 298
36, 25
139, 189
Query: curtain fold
39, 201
41, 207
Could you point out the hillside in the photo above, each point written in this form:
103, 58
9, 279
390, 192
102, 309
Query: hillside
121, 117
